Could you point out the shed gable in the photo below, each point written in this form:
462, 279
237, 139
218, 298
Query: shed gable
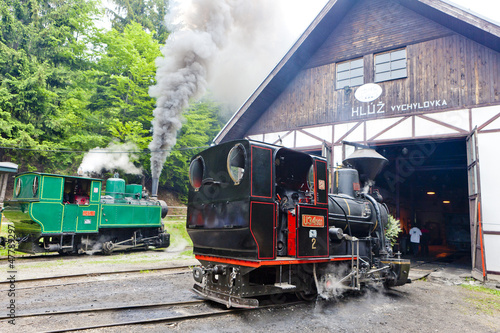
374, 26
445, 70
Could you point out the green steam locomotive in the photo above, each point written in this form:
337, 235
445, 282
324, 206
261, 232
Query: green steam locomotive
68, 214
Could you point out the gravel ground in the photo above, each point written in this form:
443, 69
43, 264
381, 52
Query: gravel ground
433, 304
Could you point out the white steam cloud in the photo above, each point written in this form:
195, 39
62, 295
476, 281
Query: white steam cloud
115, 156
257, 41
227, 46
199, 31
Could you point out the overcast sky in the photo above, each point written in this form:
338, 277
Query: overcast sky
281, 23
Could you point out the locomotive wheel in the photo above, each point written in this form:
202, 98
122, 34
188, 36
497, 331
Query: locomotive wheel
66, 252
306, 297
108, 247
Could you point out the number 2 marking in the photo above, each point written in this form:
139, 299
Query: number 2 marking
313, 246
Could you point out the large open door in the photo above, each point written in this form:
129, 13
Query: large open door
477, 247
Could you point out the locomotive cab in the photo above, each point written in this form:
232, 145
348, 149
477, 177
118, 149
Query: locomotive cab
248, 190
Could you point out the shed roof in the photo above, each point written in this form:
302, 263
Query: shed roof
457, 19
6, 167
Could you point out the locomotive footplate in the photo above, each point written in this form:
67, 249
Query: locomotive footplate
230, 301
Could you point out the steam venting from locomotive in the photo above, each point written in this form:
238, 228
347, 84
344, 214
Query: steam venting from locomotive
199, 31
115, 156
208, 35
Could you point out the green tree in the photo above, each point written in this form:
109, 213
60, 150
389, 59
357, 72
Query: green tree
43, 55
203, 122
150, 14
124, 73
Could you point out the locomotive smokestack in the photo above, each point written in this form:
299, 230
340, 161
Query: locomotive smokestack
154, 187
368, 163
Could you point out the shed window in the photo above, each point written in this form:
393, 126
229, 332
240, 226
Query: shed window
350, 73
390, 65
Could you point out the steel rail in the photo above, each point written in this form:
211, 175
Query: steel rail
97, 274
126, 307
172, 318
79, 283
57, 256
32, 256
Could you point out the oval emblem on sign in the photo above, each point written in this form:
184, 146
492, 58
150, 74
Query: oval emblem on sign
368, 92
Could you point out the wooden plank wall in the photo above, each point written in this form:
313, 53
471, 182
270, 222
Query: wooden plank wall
373, 26
452, 68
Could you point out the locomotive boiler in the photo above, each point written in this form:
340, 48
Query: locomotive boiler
66, 214
263, 222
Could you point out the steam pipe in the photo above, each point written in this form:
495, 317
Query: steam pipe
154, 187
379, 218
345, 215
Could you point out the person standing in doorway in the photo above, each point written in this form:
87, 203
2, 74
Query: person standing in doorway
415, 235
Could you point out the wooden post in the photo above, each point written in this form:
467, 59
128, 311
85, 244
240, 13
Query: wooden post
3, 186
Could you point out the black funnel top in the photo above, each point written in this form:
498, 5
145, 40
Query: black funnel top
368, 163
154, 187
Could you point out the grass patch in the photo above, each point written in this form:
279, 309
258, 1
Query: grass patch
482, 289
4, 232
178, 233
484, 300
5, 252
187, 253
13, 215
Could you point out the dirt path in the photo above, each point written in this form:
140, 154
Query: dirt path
428, 305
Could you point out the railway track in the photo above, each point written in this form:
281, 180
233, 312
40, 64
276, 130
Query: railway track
169, 271
57, 256
51, 256
179, 311
94, 310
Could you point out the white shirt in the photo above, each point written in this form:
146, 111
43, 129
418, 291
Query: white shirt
415, 234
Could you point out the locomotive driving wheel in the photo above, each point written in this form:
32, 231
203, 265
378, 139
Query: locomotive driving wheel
304, 296
306, 283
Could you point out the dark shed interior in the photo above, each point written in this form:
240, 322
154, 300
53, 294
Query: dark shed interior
425, 184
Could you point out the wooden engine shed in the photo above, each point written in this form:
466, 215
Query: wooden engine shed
419, 81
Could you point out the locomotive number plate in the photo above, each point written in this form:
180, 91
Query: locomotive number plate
313, 221
88, 213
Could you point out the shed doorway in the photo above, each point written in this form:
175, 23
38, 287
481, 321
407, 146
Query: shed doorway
425, 184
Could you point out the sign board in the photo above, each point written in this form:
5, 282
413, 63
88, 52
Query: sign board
368, 92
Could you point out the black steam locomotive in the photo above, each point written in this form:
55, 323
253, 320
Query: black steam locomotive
263, 223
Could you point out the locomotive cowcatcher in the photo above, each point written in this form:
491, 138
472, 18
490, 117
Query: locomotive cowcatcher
263, 223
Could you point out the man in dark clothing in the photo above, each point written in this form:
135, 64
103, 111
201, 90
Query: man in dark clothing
425, 241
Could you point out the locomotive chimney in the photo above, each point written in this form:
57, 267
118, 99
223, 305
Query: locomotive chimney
368, 163
154, 187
